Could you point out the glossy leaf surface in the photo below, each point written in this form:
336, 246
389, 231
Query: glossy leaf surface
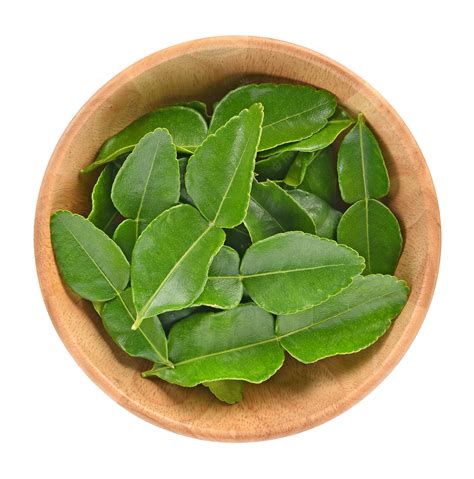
360, 165
126, 235
373, 231
187, 127
229, 392
219, 174
89, 261
148, 182
297, 170
321, 177
294, 271
274, 167
104, 214
223, 288
292, 112
148, 341
272, 210
347, 322
236, 344
170, 317
325, 217
339, 122
171, 260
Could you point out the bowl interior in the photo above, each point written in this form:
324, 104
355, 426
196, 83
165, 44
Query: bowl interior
299, 396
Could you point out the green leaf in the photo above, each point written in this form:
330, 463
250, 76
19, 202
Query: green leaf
148, 182
197, 105
339, 122
236, 344
274, 167
229, 392
89, 261
373, 231
171, 317
219, 174
171, 260
238, 238
148, 341
346, 323
325, 217
321, 177
183, 196
104, 215
297, 170
292, 112
272, 210
294, 271
223, 288
187, 127
126, 235
360, 164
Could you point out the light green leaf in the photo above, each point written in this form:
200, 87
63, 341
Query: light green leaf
297, 170
292, 112
126, 235
219, 174
339, 122
272, 210
236, 344
229, 392
187, 127
171, 260
197, 105
148, 182
347, 322
321, 177
373, 231
293, 271
148, 341
223, 288
360, 164
89, 261
325, 217
104, 215
274, 167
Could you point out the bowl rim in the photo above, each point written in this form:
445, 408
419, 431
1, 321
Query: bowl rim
41, 234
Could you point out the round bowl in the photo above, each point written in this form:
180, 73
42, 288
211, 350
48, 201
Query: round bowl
299, 396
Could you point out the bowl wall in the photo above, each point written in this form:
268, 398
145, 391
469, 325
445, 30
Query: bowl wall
299, 396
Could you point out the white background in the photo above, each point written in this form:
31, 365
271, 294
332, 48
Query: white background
54, 421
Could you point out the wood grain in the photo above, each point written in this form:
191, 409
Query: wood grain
298, 397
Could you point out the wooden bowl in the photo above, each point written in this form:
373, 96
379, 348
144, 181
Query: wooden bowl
298, 397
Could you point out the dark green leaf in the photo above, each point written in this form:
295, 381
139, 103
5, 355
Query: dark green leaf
187, 127
325, 217
346, 323
126, 235
148, 182
170, 317
148, 341
272, 210
321, 177
238, 238
292, 112
339, 122
360, 164
274, 167
294, 271
373, 231
236, 344
104, 214
226, 391
183, 196
219, 174
89, 261
224, 288
171, 260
